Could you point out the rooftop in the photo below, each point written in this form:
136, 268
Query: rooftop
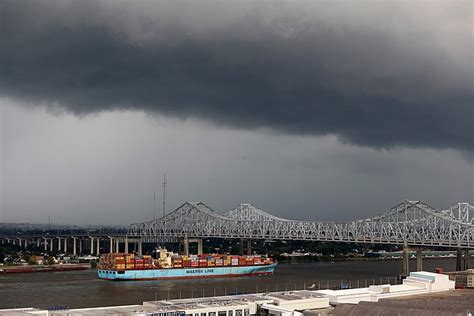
294, 295
458, 302
206, 302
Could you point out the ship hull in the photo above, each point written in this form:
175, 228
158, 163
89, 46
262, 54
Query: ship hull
187, 273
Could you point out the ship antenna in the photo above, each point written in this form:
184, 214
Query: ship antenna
154, 206
164, 193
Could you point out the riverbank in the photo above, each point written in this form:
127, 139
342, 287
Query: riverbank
301, 259
44, 268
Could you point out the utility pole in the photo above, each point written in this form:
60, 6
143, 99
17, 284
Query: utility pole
164, 194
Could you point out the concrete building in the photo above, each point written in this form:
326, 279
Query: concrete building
293, 303
417, 283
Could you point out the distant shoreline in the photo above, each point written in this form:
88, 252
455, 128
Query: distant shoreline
44, 268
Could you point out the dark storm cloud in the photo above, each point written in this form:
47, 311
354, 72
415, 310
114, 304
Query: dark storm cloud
374, 74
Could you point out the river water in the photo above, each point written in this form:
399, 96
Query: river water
77, 289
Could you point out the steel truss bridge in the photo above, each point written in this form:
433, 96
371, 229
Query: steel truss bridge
411, 223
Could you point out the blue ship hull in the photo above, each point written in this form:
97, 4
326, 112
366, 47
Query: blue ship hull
187, 273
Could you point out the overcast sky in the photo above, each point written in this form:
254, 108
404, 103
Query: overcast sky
307, 109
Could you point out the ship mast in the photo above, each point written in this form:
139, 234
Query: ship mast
164, 193
154, 206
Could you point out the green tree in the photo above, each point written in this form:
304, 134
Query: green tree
31, 260
93, 264
50, 260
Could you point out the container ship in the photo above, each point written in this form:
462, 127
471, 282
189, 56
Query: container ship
169, 266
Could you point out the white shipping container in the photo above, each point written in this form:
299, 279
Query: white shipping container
470, 280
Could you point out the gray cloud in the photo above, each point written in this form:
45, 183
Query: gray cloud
374, 74
104, 169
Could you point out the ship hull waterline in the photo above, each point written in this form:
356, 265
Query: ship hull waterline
187, 273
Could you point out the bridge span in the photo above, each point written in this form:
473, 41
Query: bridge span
409, 223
